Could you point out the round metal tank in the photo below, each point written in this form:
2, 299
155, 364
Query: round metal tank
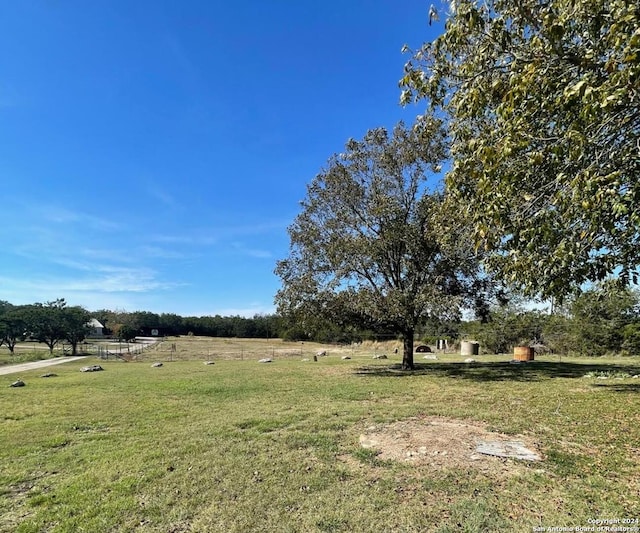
523, 353
469, 348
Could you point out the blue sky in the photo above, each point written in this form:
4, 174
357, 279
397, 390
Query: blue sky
153, 153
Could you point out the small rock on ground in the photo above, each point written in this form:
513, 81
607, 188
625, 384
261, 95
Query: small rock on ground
92, 368
156, 365
48, 375
266, 360
18, 383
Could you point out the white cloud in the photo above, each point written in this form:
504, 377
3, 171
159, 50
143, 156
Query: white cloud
156, 193
61, 215
156, 252
106, 280
187, 239
220, 235
251, 252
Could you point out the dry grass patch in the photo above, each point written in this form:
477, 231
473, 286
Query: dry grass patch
222, 348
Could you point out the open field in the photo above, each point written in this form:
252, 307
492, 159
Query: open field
190, 348
242, 446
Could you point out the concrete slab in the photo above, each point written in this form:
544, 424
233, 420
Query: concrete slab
511, 449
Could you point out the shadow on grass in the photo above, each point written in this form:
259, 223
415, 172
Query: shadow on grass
619, 387
499, 371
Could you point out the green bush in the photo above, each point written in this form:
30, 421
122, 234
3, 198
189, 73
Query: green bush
631, 339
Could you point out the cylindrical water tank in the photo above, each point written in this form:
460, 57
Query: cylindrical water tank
523, 353
469, 348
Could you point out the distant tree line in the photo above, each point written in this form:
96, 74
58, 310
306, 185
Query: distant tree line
53, 323
50, 323
604, 319
126, 325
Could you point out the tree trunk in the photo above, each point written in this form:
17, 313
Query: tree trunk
407, 357
74, 348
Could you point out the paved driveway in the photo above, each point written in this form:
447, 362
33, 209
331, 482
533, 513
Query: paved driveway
23, 367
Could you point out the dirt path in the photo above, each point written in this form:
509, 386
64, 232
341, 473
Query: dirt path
24, 367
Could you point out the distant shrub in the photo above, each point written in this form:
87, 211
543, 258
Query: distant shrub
631, 339
295, 334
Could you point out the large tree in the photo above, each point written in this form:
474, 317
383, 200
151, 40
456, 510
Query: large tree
372, 245
46, 322
13, 325
543, 101
76, 326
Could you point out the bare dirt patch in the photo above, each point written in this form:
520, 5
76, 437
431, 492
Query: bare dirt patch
440, 443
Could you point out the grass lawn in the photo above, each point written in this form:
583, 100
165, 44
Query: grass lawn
242, 446
26, 354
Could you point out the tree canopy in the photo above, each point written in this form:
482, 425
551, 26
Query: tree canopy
372, 246
76, 326
543, 104
46, 322
13, 325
